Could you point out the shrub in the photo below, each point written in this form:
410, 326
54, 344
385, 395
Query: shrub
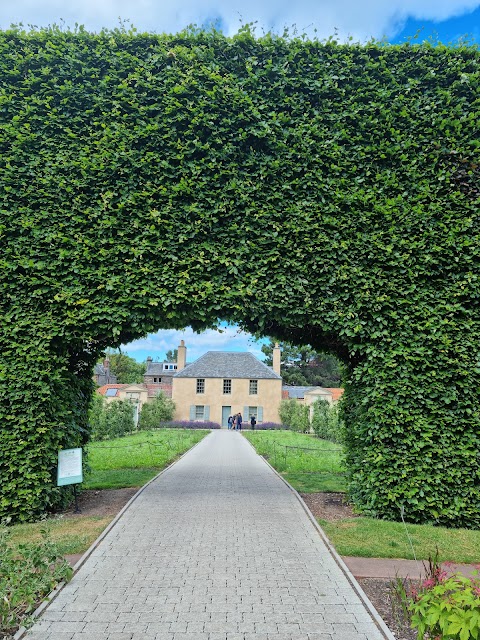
161, 409
326, 421
295, 415
264, 426
28, 573
189, 424
110, 420
448, 608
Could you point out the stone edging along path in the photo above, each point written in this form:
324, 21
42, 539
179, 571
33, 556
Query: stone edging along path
53, 594
224, 527
350, 577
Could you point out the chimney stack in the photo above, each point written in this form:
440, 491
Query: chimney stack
276, 359
182, 356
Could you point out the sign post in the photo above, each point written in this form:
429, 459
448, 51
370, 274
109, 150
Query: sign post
69, 470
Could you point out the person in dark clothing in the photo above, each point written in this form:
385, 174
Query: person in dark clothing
253, 422
239, 421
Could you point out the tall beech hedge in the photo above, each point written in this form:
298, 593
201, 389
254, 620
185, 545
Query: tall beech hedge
322, 193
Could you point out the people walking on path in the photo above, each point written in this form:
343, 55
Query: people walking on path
239, 421
253, 422
230, 422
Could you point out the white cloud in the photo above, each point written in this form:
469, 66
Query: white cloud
362, 20
157, 344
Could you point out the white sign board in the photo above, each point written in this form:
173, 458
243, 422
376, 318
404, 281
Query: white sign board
69, 467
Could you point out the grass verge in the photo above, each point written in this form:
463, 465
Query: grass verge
309, 464
70, 535
370, 538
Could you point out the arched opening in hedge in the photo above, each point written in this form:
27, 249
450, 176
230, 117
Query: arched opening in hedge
320, 193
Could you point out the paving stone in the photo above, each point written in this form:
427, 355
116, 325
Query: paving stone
217, 548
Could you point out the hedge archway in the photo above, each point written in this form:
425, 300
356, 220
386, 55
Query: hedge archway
321, 193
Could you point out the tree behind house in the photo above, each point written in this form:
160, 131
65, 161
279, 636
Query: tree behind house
161, 409
127, 369
303, 366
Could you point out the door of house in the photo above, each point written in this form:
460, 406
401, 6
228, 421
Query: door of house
226, 411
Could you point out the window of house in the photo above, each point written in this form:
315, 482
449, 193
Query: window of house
199, 412
252, 411
200, 385
253, 388
227, 386
157, 379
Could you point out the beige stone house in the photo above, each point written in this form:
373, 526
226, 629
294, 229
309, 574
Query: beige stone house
220, 384
213, 387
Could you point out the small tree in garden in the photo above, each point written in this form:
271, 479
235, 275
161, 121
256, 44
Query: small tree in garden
294, 415
161, 409
326, 421
110, 420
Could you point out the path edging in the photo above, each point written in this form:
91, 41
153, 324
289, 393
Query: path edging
348, 574
53, 594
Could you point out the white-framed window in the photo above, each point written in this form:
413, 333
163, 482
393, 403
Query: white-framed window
169, 367
227, 386
200, 385
253, 388
199, 412
252, 411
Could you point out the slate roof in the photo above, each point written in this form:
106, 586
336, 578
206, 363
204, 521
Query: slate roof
297, 392
156, 369
227, 364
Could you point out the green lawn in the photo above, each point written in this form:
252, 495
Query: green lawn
123, 462
314, 471
370, 538
133, 460
309, 464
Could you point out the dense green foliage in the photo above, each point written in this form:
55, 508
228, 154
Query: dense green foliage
28, 573
110, 419
126, 368
326, 422
160, 409
321, 194
304, 366
294, 415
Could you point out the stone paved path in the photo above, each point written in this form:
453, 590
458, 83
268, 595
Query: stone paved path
218, 548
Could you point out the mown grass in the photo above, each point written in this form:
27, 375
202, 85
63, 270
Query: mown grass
133, 460
309, 464
123, 462
312, 472
370, 538
71, 535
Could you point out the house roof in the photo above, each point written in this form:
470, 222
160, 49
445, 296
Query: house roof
103, 389
297, 392
336, 392
227, 364
156, 369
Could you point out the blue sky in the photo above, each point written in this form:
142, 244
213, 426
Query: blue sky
395, 20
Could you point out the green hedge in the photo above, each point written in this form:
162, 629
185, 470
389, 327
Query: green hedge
321, 193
